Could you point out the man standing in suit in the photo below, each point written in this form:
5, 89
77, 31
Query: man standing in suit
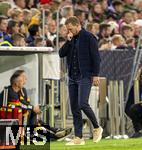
83, 60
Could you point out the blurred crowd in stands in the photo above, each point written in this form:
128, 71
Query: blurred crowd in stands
115, 23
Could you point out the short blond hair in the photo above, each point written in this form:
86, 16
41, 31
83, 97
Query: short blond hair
73, 20
15, 12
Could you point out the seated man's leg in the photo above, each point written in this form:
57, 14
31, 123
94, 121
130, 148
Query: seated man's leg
55, 133
32, 118
58, 132
135, 113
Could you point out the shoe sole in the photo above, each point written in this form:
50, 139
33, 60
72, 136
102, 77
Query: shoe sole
60, 134
72, 144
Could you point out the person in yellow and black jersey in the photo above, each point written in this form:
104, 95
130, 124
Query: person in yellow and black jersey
17, 96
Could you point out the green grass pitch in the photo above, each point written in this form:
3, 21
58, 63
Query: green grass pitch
121, 144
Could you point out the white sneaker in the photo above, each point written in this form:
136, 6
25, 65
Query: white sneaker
97, 134
76, 141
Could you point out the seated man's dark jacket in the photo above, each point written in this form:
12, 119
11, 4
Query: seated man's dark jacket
88, 55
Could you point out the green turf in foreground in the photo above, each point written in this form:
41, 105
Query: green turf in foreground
127, 144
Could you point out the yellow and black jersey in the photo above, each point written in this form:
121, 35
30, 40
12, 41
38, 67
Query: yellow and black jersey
17, 99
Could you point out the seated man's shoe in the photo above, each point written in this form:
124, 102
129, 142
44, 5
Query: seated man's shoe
68, 132
62, 132
97, 134
76, 141
137, 134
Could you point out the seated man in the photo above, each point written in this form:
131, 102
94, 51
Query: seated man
17, 96
134, 111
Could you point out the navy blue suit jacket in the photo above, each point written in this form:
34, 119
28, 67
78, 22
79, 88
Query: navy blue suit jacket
88, 54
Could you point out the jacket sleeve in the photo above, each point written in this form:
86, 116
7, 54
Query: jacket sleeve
95, 56
63, 51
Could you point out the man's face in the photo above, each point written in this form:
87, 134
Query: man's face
23, 75
72, 28
63, 31
52, 26
3, 25
20, 82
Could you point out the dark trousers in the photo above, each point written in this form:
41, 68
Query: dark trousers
135, 113
79, 90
